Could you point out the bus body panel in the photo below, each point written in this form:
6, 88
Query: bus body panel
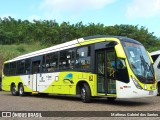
56, 83
130, 91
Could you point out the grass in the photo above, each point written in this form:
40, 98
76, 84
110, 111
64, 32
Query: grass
8, 52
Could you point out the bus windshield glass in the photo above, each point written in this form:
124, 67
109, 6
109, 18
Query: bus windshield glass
139, 62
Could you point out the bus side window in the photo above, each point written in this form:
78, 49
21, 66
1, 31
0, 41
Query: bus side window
6, 69
27, 66
50, 62
158, 66
70, 58
12, 68
44, 64
154, 57
120, 64
67, 59
63, 61
20, 67
83, 57
121, 71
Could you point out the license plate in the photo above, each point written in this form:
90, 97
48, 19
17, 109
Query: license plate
150, 92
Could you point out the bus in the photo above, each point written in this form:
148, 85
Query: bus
94, 66
156, 64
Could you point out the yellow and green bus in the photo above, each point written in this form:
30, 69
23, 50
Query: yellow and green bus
94, 66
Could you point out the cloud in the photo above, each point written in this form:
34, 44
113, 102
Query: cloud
73, 6
143, 9
34, 17
7, 15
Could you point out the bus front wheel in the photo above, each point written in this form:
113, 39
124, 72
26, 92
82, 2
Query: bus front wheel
85, 93
21, 90
14, 92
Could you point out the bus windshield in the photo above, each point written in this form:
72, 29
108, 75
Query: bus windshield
139, 62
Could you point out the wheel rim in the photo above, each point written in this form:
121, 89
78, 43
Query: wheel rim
21, 90
14, 89
83, 94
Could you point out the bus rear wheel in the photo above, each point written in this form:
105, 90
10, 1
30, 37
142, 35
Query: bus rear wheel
21, 90
14, 92
85, 93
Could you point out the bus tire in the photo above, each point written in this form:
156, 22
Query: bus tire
111, 99
21, 90
14, 92
85, 93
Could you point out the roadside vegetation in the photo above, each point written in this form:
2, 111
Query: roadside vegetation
10, 51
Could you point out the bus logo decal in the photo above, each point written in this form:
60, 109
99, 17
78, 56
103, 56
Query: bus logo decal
68, 77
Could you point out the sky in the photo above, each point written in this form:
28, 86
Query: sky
108, 12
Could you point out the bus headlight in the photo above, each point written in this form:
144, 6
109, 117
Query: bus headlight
136, 83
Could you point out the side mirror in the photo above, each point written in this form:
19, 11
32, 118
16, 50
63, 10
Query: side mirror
120, 51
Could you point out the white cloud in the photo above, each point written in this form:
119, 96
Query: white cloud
7, 15
33, 17
73, 6
64, 10
143, 9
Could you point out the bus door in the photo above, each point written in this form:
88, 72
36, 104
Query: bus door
105, 69
35, 74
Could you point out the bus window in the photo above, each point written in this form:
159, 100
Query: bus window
36, 67
20, 67
50, 62
158, 66
44, 64
66, 59
6, 68
111, 64
70, 58
12, 68
63, 64
27, 66
154, 57
83, 57
121, 72
121, 64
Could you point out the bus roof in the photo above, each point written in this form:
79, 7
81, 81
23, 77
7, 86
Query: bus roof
68, 45
121, 38
155, 52
58, 47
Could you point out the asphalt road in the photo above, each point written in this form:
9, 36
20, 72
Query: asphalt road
70, 103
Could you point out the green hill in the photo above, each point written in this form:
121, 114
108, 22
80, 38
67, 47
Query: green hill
10, 51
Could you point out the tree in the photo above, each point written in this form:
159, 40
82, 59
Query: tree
49, 32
